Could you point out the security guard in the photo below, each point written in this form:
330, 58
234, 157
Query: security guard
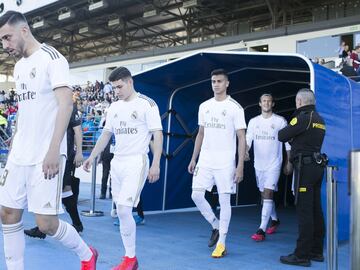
306, 133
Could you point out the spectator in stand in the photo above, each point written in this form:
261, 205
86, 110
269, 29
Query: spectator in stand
341, 49
2, 96
355, 59
346, 52
107, 88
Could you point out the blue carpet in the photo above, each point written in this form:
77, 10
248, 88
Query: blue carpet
173, 241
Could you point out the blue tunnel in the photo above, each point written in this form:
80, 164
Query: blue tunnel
180, 86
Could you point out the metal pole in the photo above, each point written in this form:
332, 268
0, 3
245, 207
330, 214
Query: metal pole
331, 224
93, 185
355, 210
92, 212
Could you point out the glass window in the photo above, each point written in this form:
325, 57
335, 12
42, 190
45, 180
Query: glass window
319, 47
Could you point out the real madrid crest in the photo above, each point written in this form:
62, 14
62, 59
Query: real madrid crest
33, 73
224, 113
134, 115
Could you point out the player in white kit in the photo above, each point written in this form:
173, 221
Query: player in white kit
268, 154
221, 121
33, 174
134, 119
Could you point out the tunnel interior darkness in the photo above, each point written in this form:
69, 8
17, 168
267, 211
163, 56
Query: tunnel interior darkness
179, 88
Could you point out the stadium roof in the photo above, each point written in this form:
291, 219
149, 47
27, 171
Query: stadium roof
86, 29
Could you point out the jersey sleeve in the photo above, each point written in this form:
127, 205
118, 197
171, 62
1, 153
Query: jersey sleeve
283, 125
250, 133
239, 119
201, 120
153, 120
59, 74
108, 121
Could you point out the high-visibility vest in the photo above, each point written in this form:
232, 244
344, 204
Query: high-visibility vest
3, 121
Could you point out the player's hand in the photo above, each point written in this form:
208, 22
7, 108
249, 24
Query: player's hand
154, 174
50, 165
239, 176
78, 159
87, 164
288, 168
247, 156
192, 166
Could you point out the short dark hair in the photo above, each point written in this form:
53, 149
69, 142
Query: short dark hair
266, 95
220, 71
119, 73
12, 17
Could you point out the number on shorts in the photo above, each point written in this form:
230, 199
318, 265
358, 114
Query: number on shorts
196, 171
3, 177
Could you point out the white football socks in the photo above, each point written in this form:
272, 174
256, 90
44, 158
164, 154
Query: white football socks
14, 245
69, 237
266, 212
225, 216
204, 207
127, 229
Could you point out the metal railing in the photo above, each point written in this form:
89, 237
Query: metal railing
92, 212
331, 224
90, 136
354, 185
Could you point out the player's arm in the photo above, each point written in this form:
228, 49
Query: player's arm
156, 148
65, 106
78, 143
288, 166
249, 139
13, 135
239, 173
198, 142
99, 147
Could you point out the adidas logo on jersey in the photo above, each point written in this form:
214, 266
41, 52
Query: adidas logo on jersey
48, 205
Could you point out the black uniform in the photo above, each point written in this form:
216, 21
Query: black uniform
106, 158
75, 120
306, 133
69, 178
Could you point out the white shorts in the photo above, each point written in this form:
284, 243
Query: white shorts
268, 179
25, 186
206, 178
128, 176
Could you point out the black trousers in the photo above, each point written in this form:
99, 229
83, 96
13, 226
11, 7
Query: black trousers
139, 209
106, 170
309, 211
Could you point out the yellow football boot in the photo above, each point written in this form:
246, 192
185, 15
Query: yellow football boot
219, 251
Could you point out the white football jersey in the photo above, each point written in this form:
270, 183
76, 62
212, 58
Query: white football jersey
267, 148
132, 123
36, 77
221, 120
